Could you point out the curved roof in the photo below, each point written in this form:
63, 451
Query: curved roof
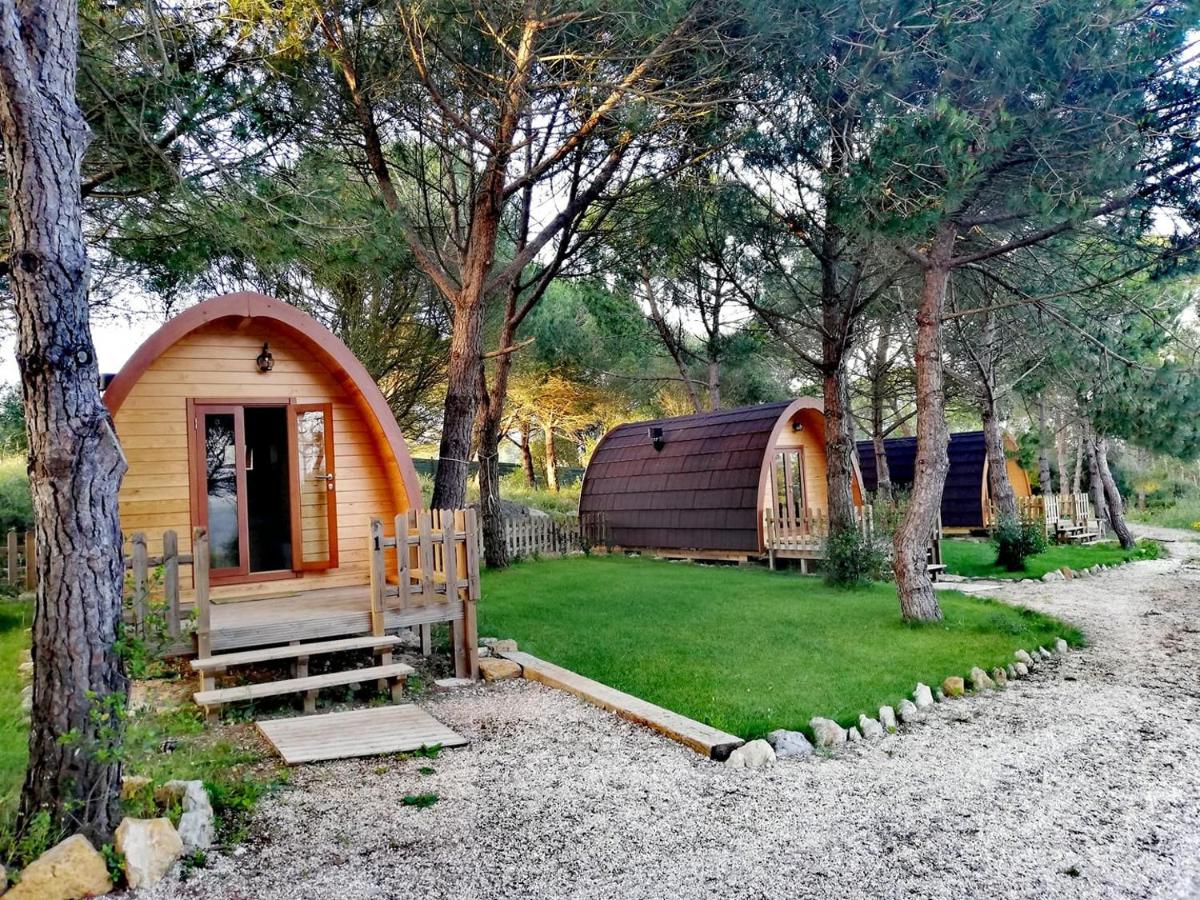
325, 347
701, 491
966, 488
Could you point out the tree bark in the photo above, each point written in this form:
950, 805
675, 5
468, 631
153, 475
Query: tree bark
839, 447
883, 473
1043, 452
75, 462
1095, 485
1077, 479
911, 541
462, 397
527, 454
1061, 445
551, 461
1000, 489
1115, 507
714, 385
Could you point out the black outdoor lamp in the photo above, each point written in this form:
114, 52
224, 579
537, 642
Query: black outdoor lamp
656, 438
264, 360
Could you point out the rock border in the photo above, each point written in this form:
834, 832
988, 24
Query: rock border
1065, 573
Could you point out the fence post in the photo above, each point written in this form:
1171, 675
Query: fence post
141, 606
11, 575
30, 560
469, 564
200, 564
171, 581
378, 576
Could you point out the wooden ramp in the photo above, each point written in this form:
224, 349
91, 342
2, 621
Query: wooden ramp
360, 732
702, 738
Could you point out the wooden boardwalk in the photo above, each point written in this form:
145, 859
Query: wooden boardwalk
705, 739
360, 732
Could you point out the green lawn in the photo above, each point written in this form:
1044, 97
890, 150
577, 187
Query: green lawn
15, 617
744, 649
977, 558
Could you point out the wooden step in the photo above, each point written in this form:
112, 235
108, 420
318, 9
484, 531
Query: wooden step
935, 567
220, 696
293, 651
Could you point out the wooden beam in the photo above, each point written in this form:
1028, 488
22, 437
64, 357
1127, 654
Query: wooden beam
704, 739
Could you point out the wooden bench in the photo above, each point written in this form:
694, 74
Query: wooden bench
213, 700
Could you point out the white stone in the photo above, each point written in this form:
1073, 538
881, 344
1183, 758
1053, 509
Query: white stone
869, 728
484, 652
1012, 671
908, 711
853, 736
150, 847
197, 830
826, 732
1054, 576
980, 680
68, 870
449, 684
923, 696
1024, 657
190, 795
753, 755
789, 743
1061, 647
505, 646
1044, 653
1022, 669
887, 718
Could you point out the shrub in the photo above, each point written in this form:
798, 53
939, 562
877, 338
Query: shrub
852, 559
16, 506
1016, 541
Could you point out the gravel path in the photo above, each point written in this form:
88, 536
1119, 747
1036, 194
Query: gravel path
1082, 781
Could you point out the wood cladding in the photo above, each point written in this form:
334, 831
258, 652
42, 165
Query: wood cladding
215, 362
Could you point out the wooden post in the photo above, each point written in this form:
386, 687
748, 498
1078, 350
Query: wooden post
378, 576
402, 556
425, 554
200, 564
12, 556
450, 566
171, 581
469, 572
30, 560
141, 584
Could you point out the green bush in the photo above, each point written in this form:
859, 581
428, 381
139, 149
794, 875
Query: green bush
854, 560
16, 506
1016, 541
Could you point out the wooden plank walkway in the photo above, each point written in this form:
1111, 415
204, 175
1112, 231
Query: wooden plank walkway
360, 732
702, 738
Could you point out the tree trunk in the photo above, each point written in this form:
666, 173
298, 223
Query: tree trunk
527, 454
1115, 507
1043, 452
1061, 445
551, 461
458, 416
714, 385
911, 542
75, 462
883, 473
1000, 489
839, 447
1077, 479
1095, 486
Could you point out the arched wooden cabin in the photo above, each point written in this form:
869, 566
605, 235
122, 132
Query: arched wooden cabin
966, 497
248, 417
704, 485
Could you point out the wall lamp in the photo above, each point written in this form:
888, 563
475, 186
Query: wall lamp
656, 437
265, 361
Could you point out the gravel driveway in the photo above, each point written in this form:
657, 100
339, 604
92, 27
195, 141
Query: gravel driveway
1083, 781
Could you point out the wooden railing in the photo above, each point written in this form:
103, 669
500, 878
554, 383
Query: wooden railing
808, 530
153, 584
1053, 510
20, 560
436, 571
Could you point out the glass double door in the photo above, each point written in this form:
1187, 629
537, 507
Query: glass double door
264, 486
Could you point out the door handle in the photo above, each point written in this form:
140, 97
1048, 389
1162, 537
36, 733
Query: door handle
329, 481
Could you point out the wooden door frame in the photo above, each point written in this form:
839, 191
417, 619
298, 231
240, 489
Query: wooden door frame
298, 563
198, 493
789, 520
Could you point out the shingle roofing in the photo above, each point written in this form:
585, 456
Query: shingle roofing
700, 492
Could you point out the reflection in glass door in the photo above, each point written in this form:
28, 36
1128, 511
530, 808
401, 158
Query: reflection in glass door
224, 485
316, 524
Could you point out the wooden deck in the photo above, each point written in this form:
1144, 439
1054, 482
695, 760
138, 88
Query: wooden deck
309, 616
360, 732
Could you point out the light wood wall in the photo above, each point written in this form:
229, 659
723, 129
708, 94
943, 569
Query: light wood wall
811, 438
216, 362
